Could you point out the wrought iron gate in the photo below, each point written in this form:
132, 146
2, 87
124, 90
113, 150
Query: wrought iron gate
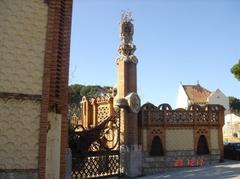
95, 151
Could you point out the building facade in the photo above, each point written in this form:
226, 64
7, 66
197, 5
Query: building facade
196, 94
154, 138
35, 36
231, 129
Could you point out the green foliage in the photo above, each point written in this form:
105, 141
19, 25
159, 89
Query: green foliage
77, 91
234, 104
236, 70
74, 93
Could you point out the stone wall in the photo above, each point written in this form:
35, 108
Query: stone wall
176, 159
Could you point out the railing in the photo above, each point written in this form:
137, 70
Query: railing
163, 115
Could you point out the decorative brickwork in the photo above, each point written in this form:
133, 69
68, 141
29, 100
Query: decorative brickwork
55, 78
181, 129
155, 131
95, 110
127, 79
209, 115
199, 131
103, 111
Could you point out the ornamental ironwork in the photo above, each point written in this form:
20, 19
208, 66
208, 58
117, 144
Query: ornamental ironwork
95, 151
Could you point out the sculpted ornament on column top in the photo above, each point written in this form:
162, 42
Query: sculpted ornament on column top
127, 48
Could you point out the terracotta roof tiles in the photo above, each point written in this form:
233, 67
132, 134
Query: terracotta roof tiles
196, 93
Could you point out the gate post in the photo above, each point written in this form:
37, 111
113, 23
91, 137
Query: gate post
128, 100
131, 160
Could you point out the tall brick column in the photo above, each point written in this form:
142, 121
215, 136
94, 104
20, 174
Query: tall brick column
127, 91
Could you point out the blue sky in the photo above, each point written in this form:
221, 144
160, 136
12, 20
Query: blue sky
177, 41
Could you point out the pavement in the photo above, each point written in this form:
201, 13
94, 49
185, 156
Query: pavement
228, 170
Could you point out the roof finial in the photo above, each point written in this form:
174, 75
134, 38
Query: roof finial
127, 48
126, 16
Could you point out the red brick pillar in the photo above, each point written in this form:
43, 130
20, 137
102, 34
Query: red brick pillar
127, 91
55, 79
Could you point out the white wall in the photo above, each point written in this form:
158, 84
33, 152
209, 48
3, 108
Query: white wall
232, 125
182, 98
218, 97
232, 118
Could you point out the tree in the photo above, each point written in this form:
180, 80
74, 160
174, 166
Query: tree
74, 93
77, 91
236, 70
234, 104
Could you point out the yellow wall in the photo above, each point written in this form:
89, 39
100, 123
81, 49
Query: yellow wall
144, 139
22, 40
214, 139
179, 139
19, 134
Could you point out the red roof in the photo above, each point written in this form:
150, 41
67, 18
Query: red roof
196, 93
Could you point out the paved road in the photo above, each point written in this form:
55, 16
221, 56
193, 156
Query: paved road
227, 170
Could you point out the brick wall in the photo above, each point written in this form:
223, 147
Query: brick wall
55, 79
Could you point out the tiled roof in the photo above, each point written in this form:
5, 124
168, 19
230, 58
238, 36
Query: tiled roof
196, 93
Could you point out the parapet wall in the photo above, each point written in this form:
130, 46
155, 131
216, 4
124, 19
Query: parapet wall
95, 110
169, 138
180, 138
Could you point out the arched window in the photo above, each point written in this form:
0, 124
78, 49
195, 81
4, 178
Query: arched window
202, 146
156, 147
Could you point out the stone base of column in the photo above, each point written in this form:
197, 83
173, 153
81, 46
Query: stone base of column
131, 160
